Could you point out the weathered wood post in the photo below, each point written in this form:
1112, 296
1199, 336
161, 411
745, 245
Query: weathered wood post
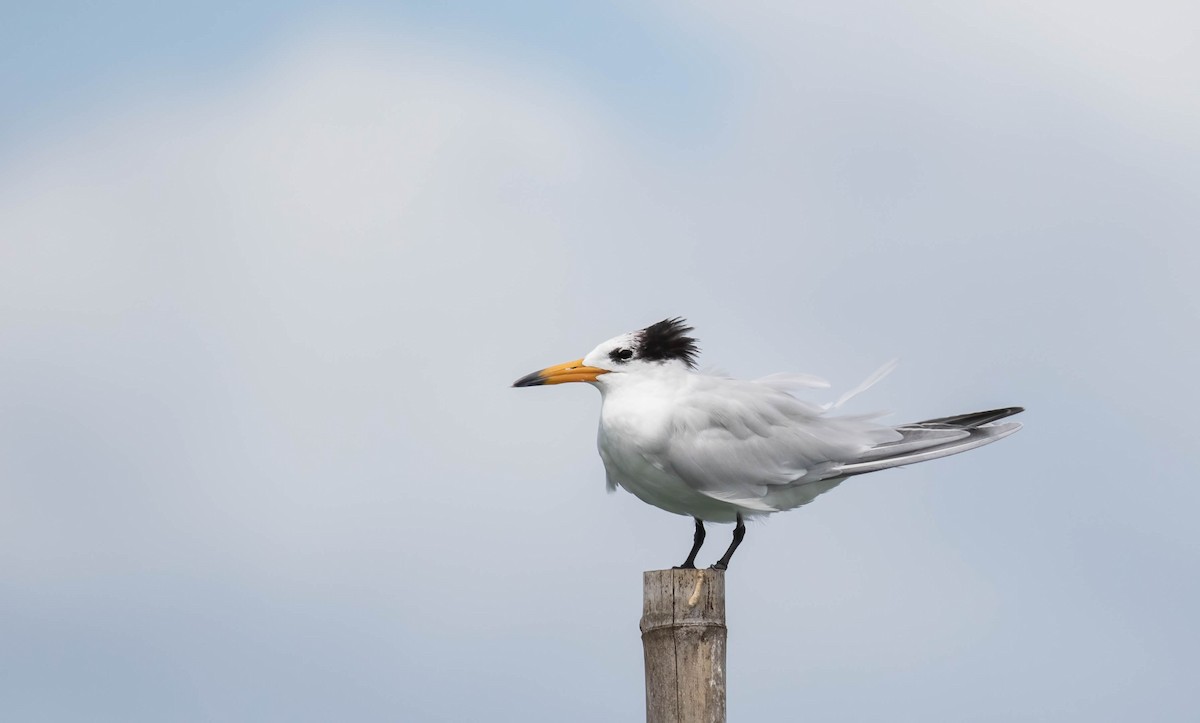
683, 637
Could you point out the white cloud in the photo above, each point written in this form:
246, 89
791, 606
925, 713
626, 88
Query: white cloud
255, 347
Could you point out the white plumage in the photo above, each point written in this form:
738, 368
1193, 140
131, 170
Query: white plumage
721, 449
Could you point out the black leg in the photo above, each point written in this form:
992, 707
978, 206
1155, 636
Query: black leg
738, 533
697, 541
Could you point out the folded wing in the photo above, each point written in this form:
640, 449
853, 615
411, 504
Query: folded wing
758, 447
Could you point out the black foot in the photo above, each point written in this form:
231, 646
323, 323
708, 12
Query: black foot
697, 541
718, 566
738, 533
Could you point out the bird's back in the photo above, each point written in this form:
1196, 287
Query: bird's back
712, 447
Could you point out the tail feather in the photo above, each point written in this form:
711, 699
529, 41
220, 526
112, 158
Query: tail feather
914, 440
934, 438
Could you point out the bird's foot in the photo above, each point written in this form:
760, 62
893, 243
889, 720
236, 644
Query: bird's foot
719, 566
685, 566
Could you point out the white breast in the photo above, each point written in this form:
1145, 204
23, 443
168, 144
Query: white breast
635, 424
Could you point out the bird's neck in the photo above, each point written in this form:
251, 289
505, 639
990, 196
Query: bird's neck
664, 379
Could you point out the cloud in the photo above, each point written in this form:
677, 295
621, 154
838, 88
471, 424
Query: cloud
258, 444
257, 348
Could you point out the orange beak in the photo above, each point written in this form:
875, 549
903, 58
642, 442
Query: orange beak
572, 371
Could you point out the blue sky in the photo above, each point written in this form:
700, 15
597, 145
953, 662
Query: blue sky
266, 274
68, 60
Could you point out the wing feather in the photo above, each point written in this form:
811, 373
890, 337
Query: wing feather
741, 442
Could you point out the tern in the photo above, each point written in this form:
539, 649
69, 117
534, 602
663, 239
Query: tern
725, 450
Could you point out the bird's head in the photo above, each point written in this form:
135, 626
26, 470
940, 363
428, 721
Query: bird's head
657, 346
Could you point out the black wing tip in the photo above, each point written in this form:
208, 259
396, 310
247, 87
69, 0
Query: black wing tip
972, 419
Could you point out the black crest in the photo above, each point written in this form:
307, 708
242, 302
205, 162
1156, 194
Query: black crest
668, 340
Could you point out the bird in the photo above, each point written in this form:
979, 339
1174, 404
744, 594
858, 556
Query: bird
724, 450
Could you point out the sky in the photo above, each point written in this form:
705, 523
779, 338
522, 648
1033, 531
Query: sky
268, 271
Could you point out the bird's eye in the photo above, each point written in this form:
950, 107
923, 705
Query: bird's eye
621, 355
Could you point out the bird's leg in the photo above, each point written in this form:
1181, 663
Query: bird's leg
738, 533
697, 541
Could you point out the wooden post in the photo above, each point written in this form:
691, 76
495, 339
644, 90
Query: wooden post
683, 636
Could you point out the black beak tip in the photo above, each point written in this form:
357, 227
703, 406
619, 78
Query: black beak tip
530, 380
